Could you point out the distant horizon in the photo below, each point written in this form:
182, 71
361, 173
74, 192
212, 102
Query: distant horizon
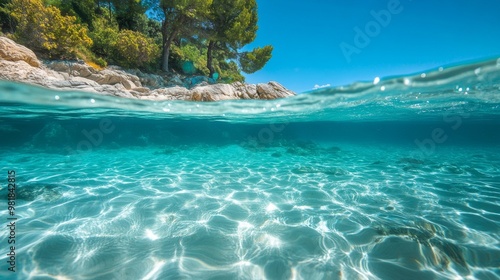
368, 39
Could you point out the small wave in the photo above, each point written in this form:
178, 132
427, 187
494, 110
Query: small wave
473, 88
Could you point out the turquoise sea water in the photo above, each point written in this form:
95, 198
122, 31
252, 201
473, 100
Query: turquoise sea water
390, 179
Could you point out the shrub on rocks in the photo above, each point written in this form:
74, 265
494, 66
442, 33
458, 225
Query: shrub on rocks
104, 36
135, 50
45, 29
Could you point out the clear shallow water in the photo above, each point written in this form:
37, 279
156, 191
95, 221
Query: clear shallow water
394, 179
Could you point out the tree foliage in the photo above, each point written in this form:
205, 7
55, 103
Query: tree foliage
232, 21
130, 14
6, 22
104, 37
134, 49
178, 17
45, 29
253, 61
83, 10
190, 53
126, 48
229, 72
230, 25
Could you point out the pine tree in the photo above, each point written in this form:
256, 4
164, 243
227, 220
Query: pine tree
178, 17
253, 61
230, 25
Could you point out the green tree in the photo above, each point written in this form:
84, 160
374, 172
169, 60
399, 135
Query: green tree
232, 24
153, 30
130, 14
253, 61
104, 35
6, 22
105, 5
178, 17
229, 71
83, 10
189, 57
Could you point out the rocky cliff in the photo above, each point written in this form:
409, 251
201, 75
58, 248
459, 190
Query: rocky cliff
20, 64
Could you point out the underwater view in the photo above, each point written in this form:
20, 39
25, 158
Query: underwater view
397, 178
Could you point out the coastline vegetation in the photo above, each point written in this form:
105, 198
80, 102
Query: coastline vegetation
192, 37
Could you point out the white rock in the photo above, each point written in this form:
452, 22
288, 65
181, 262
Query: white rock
17, 63
11, 51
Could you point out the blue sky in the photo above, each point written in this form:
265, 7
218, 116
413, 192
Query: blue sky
318, 42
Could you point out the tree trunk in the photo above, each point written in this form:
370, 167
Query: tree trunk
210, 67
167, 42
166, 54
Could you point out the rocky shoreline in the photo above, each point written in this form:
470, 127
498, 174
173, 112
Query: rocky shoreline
20, 64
